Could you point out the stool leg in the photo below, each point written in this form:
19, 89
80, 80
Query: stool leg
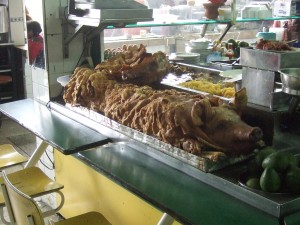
53, 211
8, 206
166, 220
0, 119
4, 221
38, 152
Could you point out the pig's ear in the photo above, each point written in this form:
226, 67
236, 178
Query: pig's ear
201, 111
240, 100
196, 114
207, 110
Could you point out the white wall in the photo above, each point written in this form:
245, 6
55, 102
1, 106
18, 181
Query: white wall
41, 84
57, 29
51, 15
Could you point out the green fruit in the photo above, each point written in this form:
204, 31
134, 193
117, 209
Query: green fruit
263, 153
292, 180
253, 183
233, 42
280, 161
244, 44
269, 180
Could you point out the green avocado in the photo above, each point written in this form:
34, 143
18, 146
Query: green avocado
292, 180
270, 180
280, 161
263, 153
253, 182
233, 42
243, 44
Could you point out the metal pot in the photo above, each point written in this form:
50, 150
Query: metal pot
3, 24
290, 78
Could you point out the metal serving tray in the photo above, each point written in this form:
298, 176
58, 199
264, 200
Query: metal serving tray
96, 12
276, 204
172, 80
226, 64
112, 129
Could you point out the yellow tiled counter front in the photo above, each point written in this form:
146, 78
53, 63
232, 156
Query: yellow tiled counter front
87, 190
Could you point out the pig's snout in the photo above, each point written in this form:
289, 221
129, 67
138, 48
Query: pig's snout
254, 134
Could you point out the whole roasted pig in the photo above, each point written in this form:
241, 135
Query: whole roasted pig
195, 123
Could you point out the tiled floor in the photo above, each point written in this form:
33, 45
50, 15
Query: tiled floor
24, 142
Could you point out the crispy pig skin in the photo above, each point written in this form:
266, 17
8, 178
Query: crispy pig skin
136, 66
191, 122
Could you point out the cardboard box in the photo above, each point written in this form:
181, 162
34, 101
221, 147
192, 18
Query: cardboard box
286, 8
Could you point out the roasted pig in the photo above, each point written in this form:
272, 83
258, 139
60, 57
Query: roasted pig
194, 123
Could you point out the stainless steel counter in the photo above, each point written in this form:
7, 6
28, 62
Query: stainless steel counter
225, 180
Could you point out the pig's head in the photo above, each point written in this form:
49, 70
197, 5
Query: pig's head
224, 127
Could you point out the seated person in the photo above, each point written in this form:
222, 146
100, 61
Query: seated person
35, 44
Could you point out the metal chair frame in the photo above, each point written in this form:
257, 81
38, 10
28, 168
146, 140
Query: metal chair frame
24, 210
35, 183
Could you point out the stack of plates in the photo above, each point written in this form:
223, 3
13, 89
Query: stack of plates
188, 57
203, 52
200, 46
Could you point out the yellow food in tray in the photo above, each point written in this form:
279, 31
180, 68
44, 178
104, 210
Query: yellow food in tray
221, 89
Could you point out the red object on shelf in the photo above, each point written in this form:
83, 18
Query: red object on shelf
4, 79
217, 2
211, 10
277, 23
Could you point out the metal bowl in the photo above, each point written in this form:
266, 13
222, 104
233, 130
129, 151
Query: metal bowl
290, 78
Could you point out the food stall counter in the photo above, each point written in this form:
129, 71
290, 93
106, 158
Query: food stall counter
61, 132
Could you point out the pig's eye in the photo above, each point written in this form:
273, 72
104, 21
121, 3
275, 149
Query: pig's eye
222, 125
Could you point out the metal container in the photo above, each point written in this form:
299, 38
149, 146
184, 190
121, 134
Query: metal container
225, 64
260, 76
269, 60
3, 24
262, 90
290, 78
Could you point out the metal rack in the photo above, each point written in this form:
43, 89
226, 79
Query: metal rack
92, 17
7, 70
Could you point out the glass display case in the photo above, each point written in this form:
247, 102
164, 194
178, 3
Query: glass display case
173, 23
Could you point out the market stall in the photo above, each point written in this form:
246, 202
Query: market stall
174, 153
